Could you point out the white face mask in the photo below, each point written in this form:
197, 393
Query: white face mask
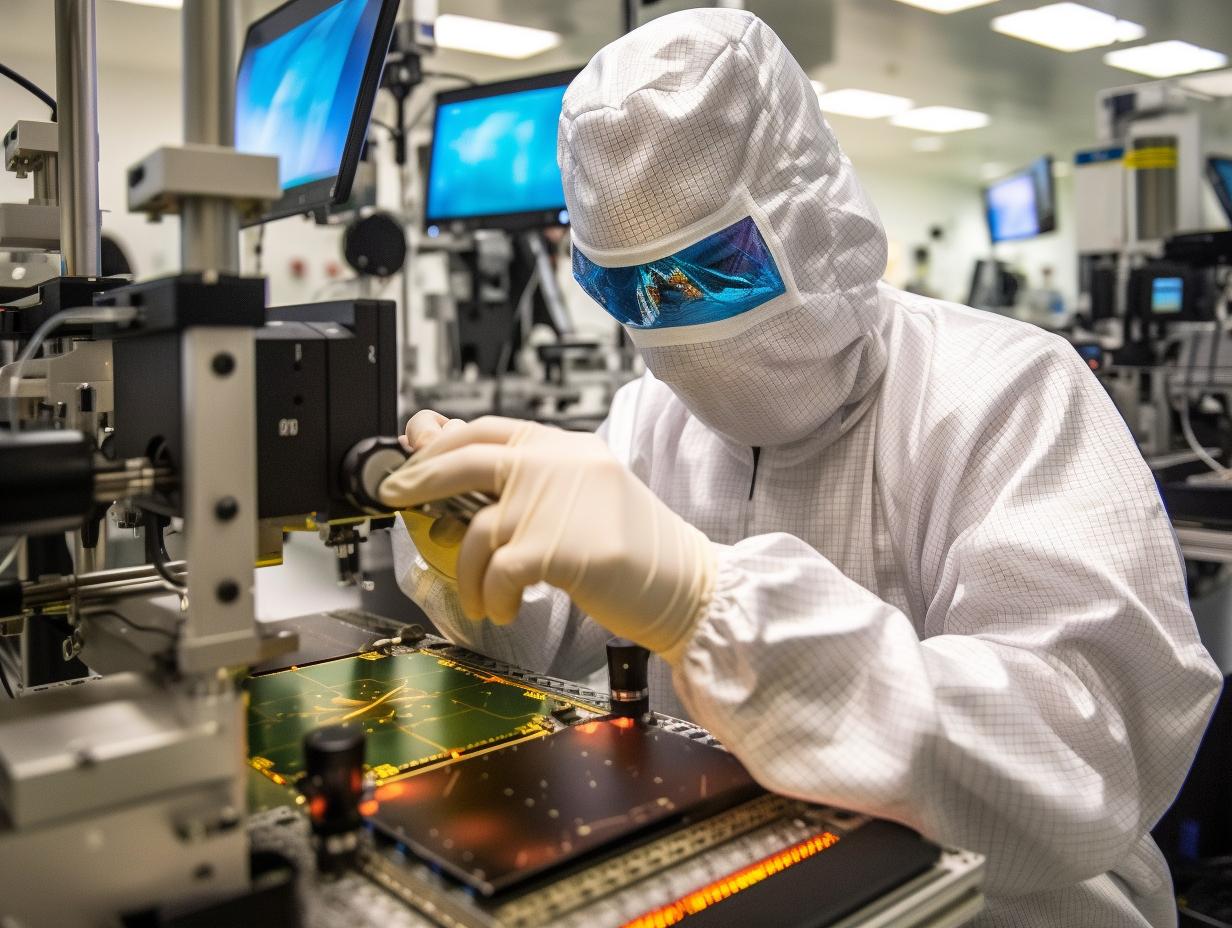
675, 133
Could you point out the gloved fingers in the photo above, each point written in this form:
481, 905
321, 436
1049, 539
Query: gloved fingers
486, 430
422, 429
511, 569
481, 468
482, 538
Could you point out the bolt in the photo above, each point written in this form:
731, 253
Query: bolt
226, 508
228, 591
223, 363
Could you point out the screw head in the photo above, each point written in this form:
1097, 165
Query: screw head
226, 508
223, 363
228, 591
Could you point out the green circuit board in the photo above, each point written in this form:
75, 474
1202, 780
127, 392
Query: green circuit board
417, 709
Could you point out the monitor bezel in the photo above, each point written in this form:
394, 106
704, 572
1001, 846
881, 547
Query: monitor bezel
511, 222
314, 195
1045, 223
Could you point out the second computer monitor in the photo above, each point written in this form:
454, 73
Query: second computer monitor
493, 157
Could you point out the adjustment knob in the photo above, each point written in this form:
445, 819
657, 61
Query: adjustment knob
333, 783
368, 463
628, 678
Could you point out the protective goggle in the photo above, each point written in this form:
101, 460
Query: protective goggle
725, 274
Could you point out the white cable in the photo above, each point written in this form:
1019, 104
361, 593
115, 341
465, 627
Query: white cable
91, 314
1192, 441
8, 558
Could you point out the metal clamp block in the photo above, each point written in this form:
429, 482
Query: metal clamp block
163, 180
27, 142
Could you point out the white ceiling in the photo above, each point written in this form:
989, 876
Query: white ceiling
1040, 100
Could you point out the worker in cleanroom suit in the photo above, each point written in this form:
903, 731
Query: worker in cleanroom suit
900, 556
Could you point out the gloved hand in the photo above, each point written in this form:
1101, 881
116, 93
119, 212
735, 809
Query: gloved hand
570, 514
425, 427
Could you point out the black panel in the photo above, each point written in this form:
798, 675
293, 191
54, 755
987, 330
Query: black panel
292, 433
863, 866
177, 302
498, 820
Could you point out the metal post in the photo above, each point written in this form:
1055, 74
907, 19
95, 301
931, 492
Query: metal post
77, 106
209, 229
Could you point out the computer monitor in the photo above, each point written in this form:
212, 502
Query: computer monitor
308, 77
1219, 173
1022, 205
492, 163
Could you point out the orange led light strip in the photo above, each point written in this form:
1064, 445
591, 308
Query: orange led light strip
675, 912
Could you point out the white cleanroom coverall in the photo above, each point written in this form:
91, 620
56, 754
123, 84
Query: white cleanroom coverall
945, 589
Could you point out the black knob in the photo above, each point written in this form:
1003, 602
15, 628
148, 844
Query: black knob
628, 678
333, 784
368, 463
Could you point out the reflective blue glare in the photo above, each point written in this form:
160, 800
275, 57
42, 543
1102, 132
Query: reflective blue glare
295, 96
723, 275
496, 155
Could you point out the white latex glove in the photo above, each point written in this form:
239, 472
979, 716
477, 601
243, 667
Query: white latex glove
569, 514
425, 427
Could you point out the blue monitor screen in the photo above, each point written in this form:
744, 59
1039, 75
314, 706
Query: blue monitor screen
295, 95
1167, 294
496, 155
1012, 208
1221, 177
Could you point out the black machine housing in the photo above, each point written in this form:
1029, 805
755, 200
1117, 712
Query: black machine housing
326, 379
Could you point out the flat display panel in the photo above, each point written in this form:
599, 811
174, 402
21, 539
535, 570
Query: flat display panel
416, 709
307, 79
1167, 294
1022, 205
501, 818
1219, 172
493, 155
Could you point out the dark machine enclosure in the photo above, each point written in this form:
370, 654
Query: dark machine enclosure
326, 378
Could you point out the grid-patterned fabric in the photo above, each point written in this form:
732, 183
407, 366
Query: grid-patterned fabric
955, 600
673, 124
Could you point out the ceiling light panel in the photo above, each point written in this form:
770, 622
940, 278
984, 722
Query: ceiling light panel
1067, 27
946, 6
1166, 59
488, 37
863, 104
941, 119
1216, 84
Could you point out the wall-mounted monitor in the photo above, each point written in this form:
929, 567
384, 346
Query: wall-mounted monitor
492, 162
308, 77
1022, 205
1219, 173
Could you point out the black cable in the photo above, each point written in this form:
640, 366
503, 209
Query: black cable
452, 76
156, 551
33, 88
383, 125
259, 248
134, 625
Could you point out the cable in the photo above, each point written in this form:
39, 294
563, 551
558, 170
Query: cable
8, 558
154, 629
4, 681
1194, 446
450, 75
92, 314
259, 248
156, 551
32, 87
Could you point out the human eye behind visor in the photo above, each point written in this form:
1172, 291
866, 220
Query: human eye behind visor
725, 274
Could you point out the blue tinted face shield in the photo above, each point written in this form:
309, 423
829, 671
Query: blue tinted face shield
726, 274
